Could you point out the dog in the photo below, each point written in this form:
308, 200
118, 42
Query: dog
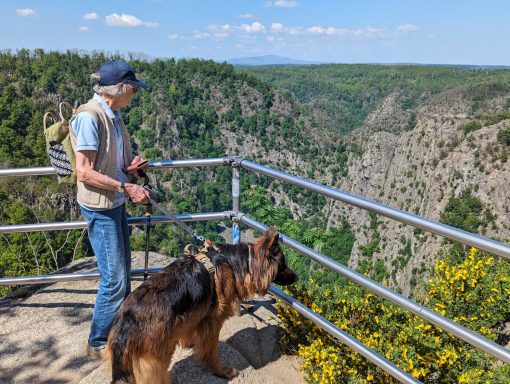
186, 304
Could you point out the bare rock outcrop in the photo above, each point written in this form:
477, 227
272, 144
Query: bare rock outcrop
418, 171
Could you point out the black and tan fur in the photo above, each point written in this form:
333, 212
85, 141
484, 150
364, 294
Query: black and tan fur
181, 306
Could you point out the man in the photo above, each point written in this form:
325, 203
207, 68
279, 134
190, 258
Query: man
102, 146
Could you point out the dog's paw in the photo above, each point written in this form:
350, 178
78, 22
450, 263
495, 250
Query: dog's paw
228, 372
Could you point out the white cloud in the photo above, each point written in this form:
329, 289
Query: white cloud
255, 27
90, 16
368, 32
201, 35
83, 28
245, 16
407, 28
281, 4
316, 30
26, 12
276, 27
174, 36
221, 31
116, 20
277, 32
285, 4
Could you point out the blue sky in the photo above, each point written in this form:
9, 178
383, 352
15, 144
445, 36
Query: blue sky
354, 31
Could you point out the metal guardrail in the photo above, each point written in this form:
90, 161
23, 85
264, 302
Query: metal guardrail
190, 163
480, 242
483, 243
27, 171
59, 277
62, 226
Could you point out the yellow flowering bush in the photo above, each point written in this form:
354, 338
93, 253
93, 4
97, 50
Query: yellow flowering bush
474, 292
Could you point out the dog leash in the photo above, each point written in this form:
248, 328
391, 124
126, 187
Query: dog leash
180, 223
154, 202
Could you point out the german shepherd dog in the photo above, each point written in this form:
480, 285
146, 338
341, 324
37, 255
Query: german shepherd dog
186, 305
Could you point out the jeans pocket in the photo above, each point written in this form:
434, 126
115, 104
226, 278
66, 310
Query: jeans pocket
87, 214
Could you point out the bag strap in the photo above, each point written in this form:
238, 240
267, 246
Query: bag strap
65, 105
48, 116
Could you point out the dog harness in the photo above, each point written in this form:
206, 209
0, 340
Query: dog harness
201, 255
191, 250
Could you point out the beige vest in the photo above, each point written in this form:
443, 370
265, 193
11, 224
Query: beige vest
106, 158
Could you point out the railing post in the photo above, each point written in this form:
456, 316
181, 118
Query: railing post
236, 198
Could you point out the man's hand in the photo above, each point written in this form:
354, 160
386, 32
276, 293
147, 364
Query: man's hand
137, 164
136, 193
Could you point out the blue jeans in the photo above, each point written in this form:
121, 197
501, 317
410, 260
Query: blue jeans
109, 236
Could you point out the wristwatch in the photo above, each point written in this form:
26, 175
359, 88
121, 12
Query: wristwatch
121, 189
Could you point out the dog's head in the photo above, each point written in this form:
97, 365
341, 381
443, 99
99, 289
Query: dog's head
270, 253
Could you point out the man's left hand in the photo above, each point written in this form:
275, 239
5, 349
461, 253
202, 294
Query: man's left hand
138, 164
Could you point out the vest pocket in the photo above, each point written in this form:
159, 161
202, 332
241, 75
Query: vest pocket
90, 195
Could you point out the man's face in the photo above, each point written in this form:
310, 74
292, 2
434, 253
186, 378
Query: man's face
124, 100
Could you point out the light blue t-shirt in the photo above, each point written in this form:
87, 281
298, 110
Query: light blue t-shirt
85, 127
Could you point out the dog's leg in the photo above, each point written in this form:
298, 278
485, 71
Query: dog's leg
150, 370
207, 350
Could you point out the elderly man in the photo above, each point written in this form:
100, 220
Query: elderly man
102, 146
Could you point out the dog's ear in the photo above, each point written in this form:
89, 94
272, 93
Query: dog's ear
272, 237
264, 243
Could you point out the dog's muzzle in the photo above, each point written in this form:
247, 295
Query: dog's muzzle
286, 277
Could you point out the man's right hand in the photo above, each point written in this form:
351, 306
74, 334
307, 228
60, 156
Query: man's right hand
137, 193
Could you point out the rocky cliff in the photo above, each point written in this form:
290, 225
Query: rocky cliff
418, 171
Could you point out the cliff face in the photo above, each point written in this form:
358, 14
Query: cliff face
414, 167
418, 171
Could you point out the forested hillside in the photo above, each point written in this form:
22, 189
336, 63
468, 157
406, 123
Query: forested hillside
194, 109
343, 96
433, 141
428, 140
383, 132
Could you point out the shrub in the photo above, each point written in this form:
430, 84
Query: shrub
473, 292
504, 136
472, 126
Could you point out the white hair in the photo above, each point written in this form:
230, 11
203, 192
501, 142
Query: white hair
119, 89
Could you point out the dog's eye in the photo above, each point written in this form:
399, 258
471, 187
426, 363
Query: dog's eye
274, 256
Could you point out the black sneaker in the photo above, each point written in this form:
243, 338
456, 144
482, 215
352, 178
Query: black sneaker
97, 352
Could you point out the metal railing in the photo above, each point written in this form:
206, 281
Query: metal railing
497, 248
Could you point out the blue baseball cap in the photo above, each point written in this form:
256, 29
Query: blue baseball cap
116, 71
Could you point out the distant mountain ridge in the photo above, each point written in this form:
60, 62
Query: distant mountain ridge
281, 60
463, 66
269, 60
